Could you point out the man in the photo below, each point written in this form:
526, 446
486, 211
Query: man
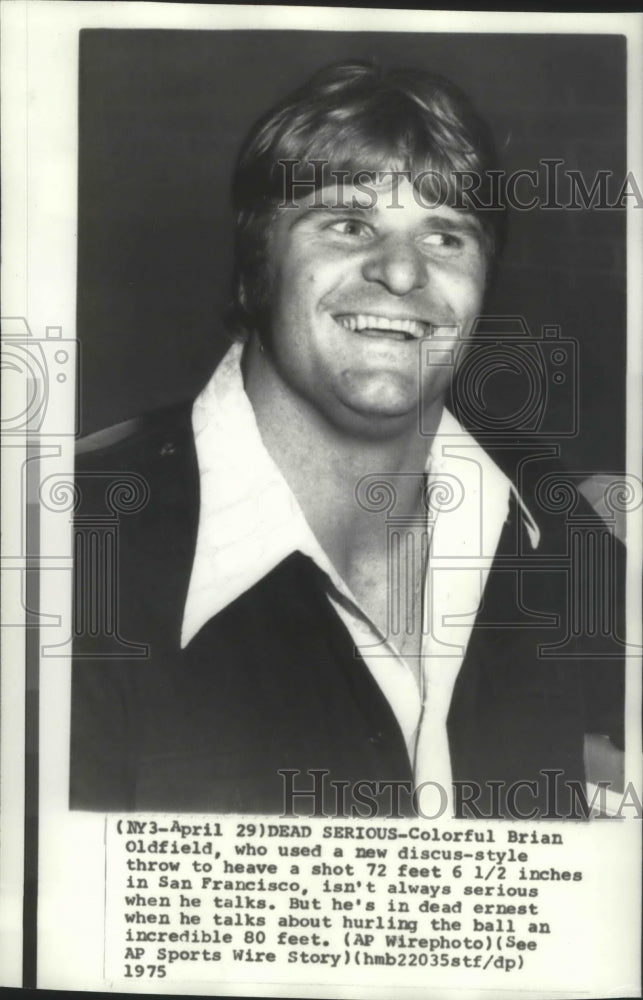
342, 595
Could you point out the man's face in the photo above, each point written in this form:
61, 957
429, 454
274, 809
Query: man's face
356, 291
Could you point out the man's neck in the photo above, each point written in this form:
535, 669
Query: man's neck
324, 465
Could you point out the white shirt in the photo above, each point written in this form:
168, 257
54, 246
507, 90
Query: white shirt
249, 521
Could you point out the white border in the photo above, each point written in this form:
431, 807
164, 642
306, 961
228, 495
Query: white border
40, 59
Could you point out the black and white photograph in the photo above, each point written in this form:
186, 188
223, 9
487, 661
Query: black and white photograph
320, 564
327, 507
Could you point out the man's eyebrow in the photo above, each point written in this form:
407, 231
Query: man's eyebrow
331, 210
463, 222
434, 221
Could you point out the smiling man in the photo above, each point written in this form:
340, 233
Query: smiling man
342, 596
355, 291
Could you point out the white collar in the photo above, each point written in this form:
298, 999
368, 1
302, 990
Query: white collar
249, 519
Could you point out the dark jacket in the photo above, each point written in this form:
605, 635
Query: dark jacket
272, 683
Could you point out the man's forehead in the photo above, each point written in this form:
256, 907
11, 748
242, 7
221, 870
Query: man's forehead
379, 193
359, 187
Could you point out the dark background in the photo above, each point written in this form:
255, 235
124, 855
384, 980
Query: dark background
161, 116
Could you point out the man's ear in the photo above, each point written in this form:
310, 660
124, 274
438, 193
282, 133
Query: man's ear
242, 293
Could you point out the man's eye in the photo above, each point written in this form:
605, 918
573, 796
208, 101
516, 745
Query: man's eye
443, 241
351, 227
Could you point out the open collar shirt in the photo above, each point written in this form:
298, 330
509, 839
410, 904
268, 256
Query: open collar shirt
250, 521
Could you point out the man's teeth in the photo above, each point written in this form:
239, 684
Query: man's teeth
409, 329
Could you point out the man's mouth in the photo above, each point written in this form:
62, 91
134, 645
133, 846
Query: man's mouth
371, 325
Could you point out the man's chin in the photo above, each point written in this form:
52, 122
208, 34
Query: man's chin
379, 417
392, 409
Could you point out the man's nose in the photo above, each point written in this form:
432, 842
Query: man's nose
397, 265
